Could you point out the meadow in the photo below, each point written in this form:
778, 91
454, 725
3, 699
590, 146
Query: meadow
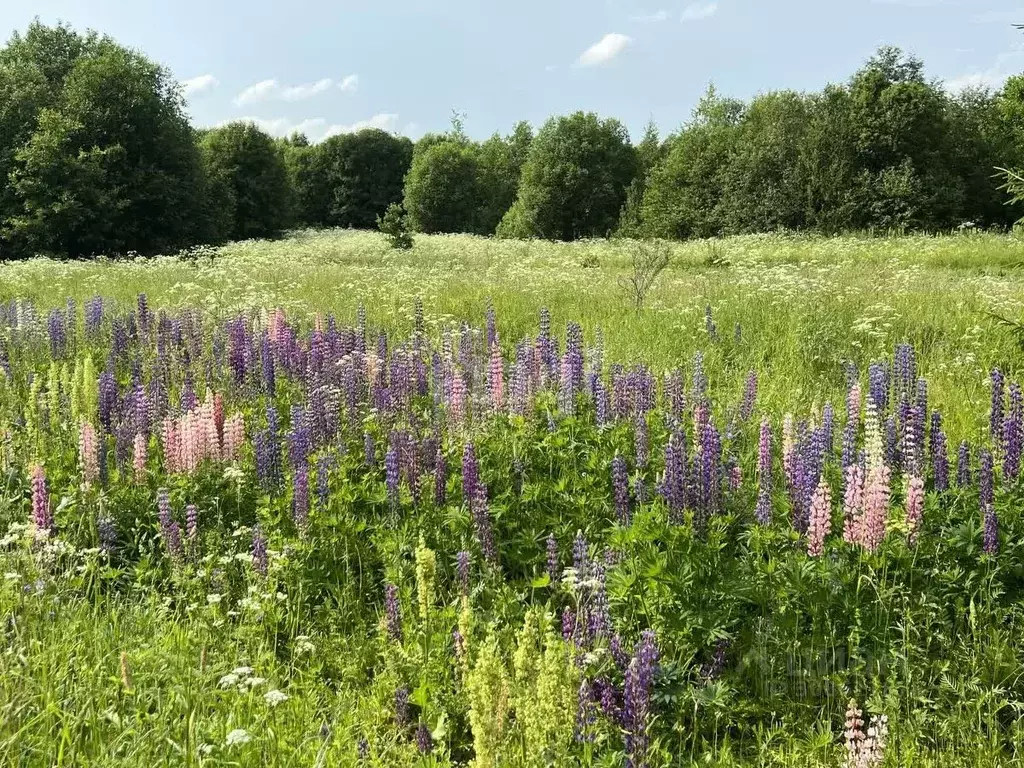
319, 502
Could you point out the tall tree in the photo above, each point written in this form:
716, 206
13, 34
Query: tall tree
574, 181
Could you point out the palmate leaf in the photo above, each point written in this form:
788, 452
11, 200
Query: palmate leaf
1016, 328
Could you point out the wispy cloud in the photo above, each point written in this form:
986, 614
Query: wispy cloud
604, 50
267, 90
306, 90
1007, 64
385, 121
699, 11
651, 18
200, 84
318, 129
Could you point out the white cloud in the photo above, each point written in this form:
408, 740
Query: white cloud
698, 11
265, 89
283, 126
648, 18
1007, 64
386, 121
306, 90
197, 85
604, 50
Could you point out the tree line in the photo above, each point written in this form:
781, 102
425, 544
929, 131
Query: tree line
97, 156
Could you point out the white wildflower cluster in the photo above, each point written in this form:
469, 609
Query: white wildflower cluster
242, 679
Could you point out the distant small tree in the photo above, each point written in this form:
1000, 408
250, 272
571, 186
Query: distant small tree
648, 259
394, 225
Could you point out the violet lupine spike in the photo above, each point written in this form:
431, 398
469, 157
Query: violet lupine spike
440, 478
700, 379
470, 473
586, 712
991, 533
638, 688
827, 431
709, 324
58, 334
763, 511
642, 441
553, 570
106, 531
324, 465
985, 478
963, 465
169, 529
599, 624
482, 525
260, 561
424, 741
1013, 434
940, 460
300, 498
402, 718
391, 476
620, 489
462, 564
710, 476
568, 624
749, 396
392, 613
878, 386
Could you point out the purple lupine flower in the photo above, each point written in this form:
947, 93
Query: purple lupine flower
940, 456
673, 487
580, 557
709, 324
462, 571
363, 749
58, 334
599, 618
637, 690
391, 476
424, 741
1013, 434
492, 324
93, 316
827, 431
905, 368
259, 551
763, 511
42, 516
985, 478
991, 534
552, 563
482, 524
107, 400
106, 529
620, 488
714, 666
963, 465
392, 613
440, 477
169, 529
586, 714
892, 440
619, 655
700, 379
849, 449
878, 386
324, 465
266, 365
192, 522
470, 473
675, 400
642, 441
608, 697
709, 480
299, 438
402, 706
737, 334
574, 354
568, 624
145, 317
749, 396
369, 450
300, 498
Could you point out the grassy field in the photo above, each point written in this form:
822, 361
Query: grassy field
145, 657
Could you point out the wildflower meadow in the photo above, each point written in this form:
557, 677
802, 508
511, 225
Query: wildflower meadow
317, 502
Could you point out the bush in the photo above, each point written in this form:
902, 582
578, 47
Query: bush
394, 225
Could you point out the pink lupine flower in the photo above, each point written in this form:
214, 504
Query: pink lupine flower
170, 438
141, 446
853, 404
87, 452
915, 506
853, 505
853, 736
876, 507
820, 520
234, 436
41, 514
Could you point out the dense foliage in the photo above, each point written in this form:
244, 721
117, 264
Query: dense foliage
438, 547
97, 157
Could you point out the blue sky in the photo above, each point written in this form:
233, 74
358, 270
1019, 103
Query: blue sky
327, 66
